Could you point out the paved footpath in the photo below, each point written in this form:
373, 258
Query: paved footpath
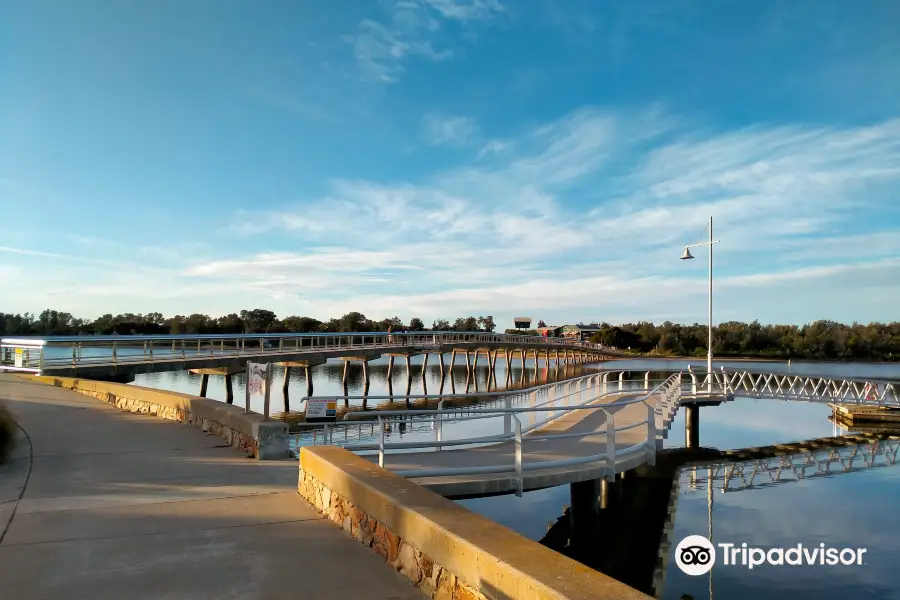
103, 504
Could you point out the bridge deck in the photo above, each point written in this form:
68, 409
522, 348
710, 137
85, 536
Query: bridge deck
120, 505
460, 486
117, 356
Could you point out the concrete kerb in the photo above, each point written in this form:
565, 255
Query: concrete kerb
424, 532
250, 432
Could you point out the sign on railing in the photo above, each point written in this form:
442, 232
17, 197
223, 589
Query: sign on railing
259, 384
321, 409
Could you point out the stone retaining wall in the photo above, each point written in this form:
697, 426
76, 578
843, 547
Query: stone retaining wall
248, 432
447, 551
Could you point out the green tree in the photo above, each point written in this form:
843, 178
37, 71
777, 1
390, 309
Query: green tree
230, 323
441, 325
487, 323
416, 324
301, 324
257, 320
354, 321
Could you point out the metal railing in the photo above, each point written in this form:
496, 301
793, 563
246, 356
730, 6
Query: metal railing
557, 391
811, 388
34, 354
660, 402
806, 463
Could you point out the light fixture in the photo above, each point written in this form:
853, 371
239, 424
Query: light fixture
687, 254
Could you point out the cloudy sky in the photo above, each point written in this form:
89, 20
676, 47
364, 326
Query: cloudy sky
438, 158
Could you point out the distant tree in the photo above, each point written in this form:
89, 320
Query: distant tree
487, 323
177, 325
301, 324
541, 324
441, 325
197, 323
394, 323
466, 324
354, 321
815, 340
230, 323
331, 326
258, 320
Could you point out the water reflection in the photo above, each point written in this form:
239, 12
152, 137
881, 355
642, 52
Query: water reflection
418, 379
853, 509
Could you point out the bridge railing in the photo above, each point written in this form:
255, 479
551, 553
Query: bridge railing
50, 352
659, 404
795, 386
792, 466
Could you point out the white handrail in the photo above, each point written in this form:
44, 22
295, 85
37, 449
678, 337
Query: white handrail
669, 389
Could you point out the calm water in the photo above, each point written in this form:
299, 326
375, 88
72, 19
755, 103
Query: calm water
327, 380
857, 509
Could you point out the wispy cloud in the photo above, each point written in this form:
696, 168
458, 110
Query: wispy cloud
442, 130
628, 187
413, 29
583, 215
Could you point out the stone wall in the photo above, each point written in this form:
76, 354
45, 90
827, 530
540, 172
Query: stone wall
248, 432
435, 580
447, 551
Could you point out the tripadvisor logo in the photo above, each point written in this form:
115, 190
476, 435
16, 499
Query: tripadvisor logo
696, 555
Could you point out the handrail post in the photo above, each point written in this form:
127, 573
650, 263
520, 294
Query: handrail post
115, 359
380, 442
651, 433
438, 425
182, 349
610, 445
647, 381
518, 465
507, 417
621, 380
41, 360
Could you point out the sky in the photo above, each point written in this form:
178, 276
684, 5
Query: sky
445, 158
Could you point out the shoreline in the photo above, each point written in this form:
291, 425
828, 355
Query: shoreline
762, 360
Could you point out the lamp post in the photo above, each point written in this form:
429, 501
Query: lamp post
687, 256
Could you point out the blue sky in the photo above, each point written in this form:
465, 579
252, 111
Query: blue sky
438, 158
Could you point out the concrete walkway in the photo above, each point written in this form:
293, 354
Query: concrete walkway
99, 503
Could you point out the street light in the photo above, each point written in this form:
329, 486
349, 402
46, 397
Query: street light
687, 256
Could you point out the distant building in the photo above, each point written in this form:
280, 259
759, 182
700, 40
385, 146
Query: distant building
550, 331
582, 332
522, 322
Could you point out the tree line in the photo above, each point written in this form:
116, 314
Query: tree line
818, 340
53, 322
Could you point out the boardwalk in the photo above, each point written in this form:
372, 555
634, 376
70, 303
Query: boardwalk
105, 504
127, 355
534, 451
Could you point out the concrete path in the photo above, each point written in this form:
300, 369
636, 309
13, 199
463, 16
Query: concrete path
103, 504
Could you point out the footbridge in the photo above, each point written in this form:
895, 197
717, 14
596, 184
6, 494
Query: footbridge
581, 430
121, 357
